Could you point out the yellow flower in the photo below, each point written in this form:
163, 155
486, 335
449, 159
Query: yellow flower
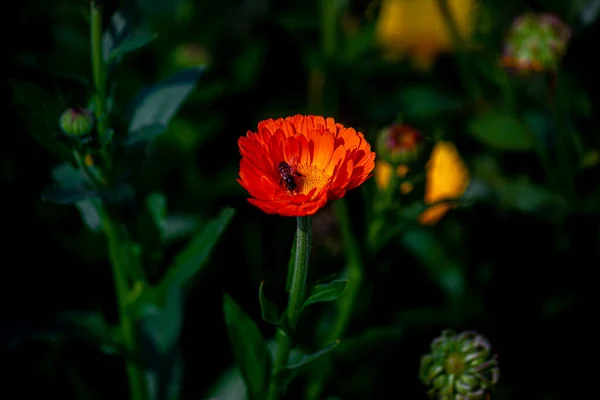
383, 174
418, 28
447, 177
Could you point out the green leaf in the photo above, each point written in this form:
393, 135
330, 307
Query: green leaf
249, 348
229, 386
118, 30
501, 130
146, 133
70, 186
269, 310
326, 292
157, 206
175, 227
157, 104
62, 194
162, 324
40, 112
447, 274
89, 214
306, 358
130, 44
193, 257
425, 102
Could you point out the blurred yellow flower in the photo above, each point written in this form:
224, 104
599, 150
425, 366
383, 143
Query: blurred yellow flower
418, 28
447, 177
383, 174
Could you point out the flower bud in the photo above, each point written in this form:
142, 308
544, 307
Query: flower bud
535, 42
399, 144
459, 367
77, 123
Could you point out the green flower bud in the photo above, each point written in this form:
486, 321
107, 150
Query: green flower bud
459, 367
77, 123
399, 144
535, 43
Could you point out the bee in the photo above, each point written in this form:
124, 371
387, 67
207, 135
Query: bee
288, 173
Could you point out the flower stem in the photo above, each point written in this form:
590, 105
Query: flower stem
296, 298
459, 45
118, 248
98, 69
119, 258
346, 303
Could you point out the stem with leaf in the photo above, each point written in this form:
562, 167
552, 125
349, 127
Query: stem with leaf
346, 303
119, 248
299, 275
98, 67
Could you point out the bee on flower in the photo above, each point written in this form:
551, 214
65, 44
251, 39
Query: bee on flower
294, 166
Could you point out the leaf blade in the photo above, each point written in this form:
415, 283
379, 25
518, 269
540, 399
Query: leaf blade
326, 292
269, 310
249, 348
194, 256
157, 104
130, 44
307, 358
500, 130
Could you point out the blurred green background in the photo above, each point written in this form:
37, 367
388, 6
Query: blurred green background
516, 263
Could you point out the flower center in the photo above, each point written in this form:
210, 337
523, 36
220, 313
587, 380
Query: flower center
312, 177
454, 364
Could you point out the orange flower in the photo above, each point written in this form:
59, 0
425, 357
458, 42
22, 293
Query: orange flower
447, 178
294, 166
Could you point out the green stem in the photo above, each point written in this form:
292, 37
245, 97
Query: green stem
296, 298
118, 248
354, 273
98, 67
119, 258
345, 305
459, 45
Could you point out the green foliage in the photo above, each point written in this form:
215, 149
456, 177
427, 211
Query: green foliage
301, 360
326, 292
249, 348
154, 106
501, 131
130, 44
40, 111
269, 310
426, 102
163, 301
156, 182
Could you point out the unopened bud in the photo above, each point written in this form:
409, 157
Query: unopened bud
535, 42
77, 123
459, 367
399, 144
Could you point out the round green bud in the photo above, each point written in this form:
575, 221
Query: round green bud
459, 367
77, 123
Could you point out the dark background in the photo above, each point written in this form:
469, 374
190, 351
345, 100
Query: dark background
525, 265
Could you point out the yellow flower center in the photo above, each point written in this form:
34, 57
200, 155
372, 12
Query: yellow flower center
312, 177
